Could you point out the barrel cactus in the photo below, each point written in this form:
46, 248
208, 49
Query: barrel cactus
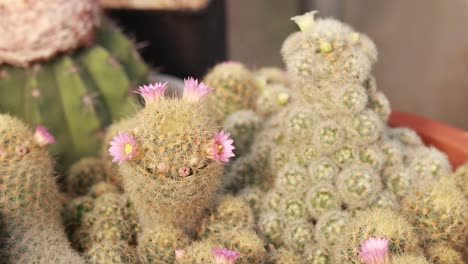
74, 75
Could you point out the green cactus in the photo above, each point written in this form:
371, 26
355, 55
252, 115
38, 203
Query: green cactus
440, 253
76, 94
321, 199
329, 228
375, 223
461, 178
298, 235
409, 259
272, 227
232, 213
270, 76
284, 256
73, 214
428, 164
197, 252
101, 188
242, 125
253, 196
111, 253
323, 170
271, 99
358, 186
234, 89
247, 243
177, 159
83, 174
159, 245
30, 202
316, 255
439, 209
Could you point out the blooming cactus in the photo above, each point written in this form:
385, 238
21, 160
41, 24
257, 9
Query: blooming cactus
171, 160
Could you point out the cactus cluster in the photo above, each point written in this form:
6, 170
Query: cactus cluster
318, 176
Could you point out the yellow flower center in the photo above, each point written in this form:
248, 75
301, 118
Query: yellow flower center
128, 148
219, 147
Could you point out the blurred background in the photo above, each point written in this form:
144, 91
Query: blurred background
423, 44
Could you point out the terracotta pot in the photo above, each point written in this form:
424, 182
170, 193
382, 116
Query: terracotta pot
453, 141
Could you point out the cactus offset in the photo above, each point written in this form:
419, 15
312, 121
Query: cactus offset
83, 174
30, 202
234, 89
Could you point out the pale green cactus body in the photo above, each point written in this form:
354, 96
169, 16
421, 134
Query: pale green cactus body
83, 174
329, 228
323, 170
321, 199
272, 98
242, 125
272, 227
358, 186
298, 235
316, 255
428, 164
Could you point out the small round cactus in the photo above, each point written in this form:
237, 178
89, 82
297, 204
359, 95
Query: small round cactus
107, 252
376, 223
285, 256
405, 136
440, 211
380, 104
292, 179
329, 228
101, 188
372, 155
298, 235
274, 200
409, 259
328, 136
83, 174
73, 214
270, 76
242, 126
247, 243
323, 170
272, 227
294, 207
321, 199
328, 51
159, 245
232, 213
271, 99
253, 196
316, 255
241, 173
358, 186
398, 180
345, 155
365, 127
428, 164
440, 253
387, 199
234, 89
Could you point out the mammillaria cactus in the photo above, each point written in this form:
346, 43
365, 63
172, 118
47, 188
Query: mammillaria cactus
242, 125
171, 161
442, 253
83, 174
61, 67
234, 89
30, 202
375, 223
439, 209
160, 244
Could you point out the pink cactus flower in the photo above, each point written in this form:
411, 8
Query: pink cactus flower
179, 253
152, 92
225, 256
43, 137
123, 147
374, 251
222, 148
194, 91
